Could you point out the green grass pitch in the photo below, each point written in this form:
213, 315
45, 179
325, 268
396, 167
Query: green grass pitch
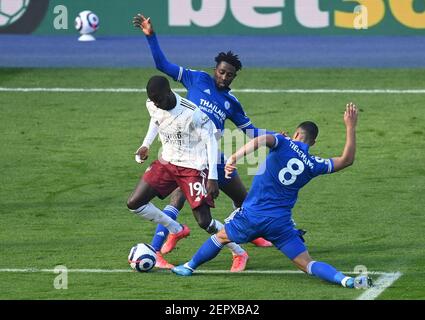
67, 168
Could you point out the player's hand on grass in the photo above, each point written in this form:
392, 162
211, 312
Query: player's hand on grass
350, 115
143, 23
284, 133
230, 167
212, 188
142, 154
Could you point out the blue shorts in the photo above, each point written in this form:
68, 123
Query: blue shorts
222, 181
242, 227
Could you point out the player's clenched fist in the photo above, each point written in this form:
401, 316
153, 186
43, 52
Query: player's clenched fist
142, 154
212, 188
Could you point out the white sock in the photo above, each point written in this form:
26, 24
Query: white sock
152, 213
344, 281
309, 266
236, 249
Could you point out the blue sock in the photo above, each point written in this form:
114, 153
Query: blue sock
325, 271
161, 232
208, 251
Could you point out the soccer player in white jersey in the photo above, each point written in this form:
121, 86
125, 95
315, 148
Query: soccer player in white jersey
189, 149
212, 94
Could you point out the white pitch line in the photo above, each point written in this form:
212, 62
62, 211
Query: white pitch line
379, 286
141, 90
35, 270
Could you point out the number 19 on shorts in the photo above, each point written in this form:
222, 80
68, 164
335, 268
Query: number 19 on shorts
197, 189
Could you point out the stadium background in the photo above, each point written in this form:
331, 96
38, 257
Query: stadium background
66, 204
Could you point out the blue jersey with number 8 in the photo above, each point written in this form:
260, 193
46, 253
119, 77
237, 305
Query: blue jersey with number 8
287, 168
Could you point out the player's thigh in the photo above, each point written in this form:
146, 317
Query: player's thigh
292, 246
235, 190
160, 178
241, 228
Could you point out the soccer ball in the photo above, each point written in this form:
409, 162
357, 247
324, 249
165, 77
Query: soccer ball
86, 22
11, 11
142, 257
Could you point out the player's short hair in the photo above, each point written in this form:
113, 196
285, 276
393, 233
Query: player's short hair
157, 85
230, 58
310, 130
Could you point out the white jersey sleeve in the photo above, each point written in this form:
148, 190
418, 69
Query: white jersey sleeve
151, 134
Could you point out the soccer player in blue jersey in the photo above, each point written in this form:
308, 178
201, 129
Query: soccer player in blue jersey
212, 95
267, 209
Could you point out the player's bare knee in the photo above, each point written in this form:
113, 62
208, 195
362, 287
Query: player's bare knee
133, 204
222, 236
130, 204
302, 267
302, 261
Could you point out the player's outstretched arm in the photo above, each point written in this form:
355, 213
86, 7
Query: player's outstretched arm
161, 62
347, 157
264, 140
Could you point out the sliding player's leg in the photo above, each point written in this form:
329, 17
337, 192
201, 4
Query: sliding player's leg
212, 226
236, 191
295, 250
237, 229
208, 251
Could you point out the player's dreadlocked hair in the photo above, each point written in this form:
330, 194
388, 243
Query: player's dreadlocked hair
230, 58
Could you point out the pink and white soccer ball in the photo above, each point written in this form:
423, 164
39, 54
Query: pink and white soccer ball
87, 22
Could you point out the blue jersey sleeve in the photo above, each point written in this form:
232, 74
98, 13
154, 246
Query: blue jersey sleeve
186, 76
189, 77
253, 132
281, 141
322, 166
243, 122
161, 62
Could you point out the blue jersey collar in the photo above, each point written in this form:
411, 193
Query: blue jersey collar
303, 146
